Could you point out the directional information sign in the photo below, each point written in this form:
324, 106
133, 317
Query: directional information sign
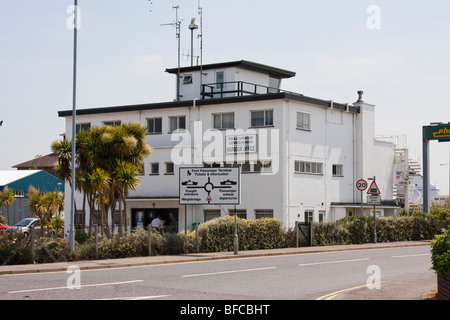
373, 199
210, 186
373, 189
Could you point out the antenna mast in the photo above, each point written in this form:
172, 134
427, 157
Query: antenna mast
177, 25
200, 35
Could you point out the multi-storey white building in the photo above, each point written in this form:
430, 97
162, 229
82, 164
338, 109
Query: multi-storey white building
304, 155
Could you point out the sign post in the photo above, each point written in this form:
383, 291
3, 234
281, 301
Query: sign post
208, 186
374, 197
435, 131
361, 185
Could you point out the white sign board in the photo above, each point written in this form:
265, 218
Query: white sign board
203, 186
373, 199
243, 143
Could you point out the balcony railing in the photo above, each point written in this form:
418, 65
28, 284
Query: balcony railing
235, 89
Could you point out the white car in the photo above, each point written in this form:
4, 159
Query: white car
25, 225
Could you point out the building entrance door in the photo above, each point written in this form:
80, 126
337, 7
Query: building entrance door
141, 218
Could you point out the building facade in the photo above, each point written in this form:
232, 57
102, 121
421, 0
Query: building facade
300, 157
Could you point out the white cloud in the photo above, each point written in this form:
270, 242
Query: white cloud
147, 65
368, 67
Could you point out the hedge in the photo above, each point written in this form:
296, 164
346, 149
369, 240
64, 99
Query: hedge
217, 235
440, 254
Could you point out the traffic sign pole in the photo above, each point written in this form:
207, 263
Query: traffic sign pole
374, 192
361, 185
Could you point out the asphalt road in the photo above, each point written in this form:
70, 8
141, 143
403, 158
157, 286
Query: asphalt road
291, 277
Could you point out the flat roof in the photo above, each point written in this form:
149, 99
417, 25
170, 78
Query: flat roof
215, 101
244, 64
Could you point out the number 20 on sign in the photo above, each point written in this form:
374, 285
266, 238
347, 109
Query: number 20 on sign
361, 185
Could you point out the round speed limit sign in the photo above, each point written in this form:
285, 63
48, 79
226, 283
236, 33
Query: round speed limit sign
361, 185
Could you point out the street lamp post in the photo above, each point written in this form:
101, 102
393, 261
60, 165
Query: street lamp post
74, 110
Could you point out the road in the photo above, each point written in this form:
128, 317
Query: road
291, 277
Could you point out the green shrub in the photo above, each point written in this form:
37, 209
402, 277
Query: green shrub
330, 233
440, 254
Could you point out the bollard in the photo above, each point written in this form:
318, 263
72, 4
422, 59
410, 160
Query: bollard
96, 242
149, 240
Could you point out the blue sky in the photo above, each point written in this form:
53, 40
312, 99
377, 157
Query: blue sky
403, 67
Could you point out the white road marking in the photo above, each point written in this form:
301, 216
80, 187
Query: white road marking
83, 286
225, 272
412, 255
330, 262
136, 298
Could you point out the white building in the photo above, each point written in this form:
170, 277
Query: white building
309, 152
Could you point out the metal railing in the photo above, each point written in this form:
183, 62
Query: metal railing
235, 89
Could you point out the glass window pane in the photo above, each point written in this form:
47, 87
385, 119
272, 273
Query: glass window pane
228, 120
257, 119
269, 118
150, 125
217, 121
173, 124
182, 122
158, 125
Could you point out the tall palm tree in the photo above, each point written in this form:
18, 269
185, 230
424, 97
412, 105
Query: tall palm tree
7, 198
109, 160
127, 178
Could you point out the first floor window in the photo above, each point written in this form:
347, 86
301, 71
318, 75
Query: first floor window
154, 125
223, 121
114, 123
82, 127
262, 118
338, 170
177, 123
308, 167
303, 121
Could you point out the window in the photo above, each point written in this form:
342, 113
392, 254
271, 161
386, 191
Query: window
114, 123
154, 168
19, 193
187, 79
309, 215
211, 214
141, 171
220, 79
154, 125
223, 121
169, 168
308, 167
240, 213
262, 118
177, 123
338, 170
321, 215
260, 214
303, 121
82, 127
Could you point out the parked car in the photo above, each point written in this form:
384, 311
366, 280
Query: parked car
25, 225
3, 227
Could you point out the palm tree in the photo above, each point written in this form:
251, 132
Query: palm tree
127, 178
7, 198
109, 160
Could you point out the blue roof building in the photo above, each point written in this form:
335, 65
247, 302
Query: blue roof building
20, 181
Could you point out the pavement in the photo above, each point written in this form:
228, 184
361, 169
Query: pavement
414, 288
